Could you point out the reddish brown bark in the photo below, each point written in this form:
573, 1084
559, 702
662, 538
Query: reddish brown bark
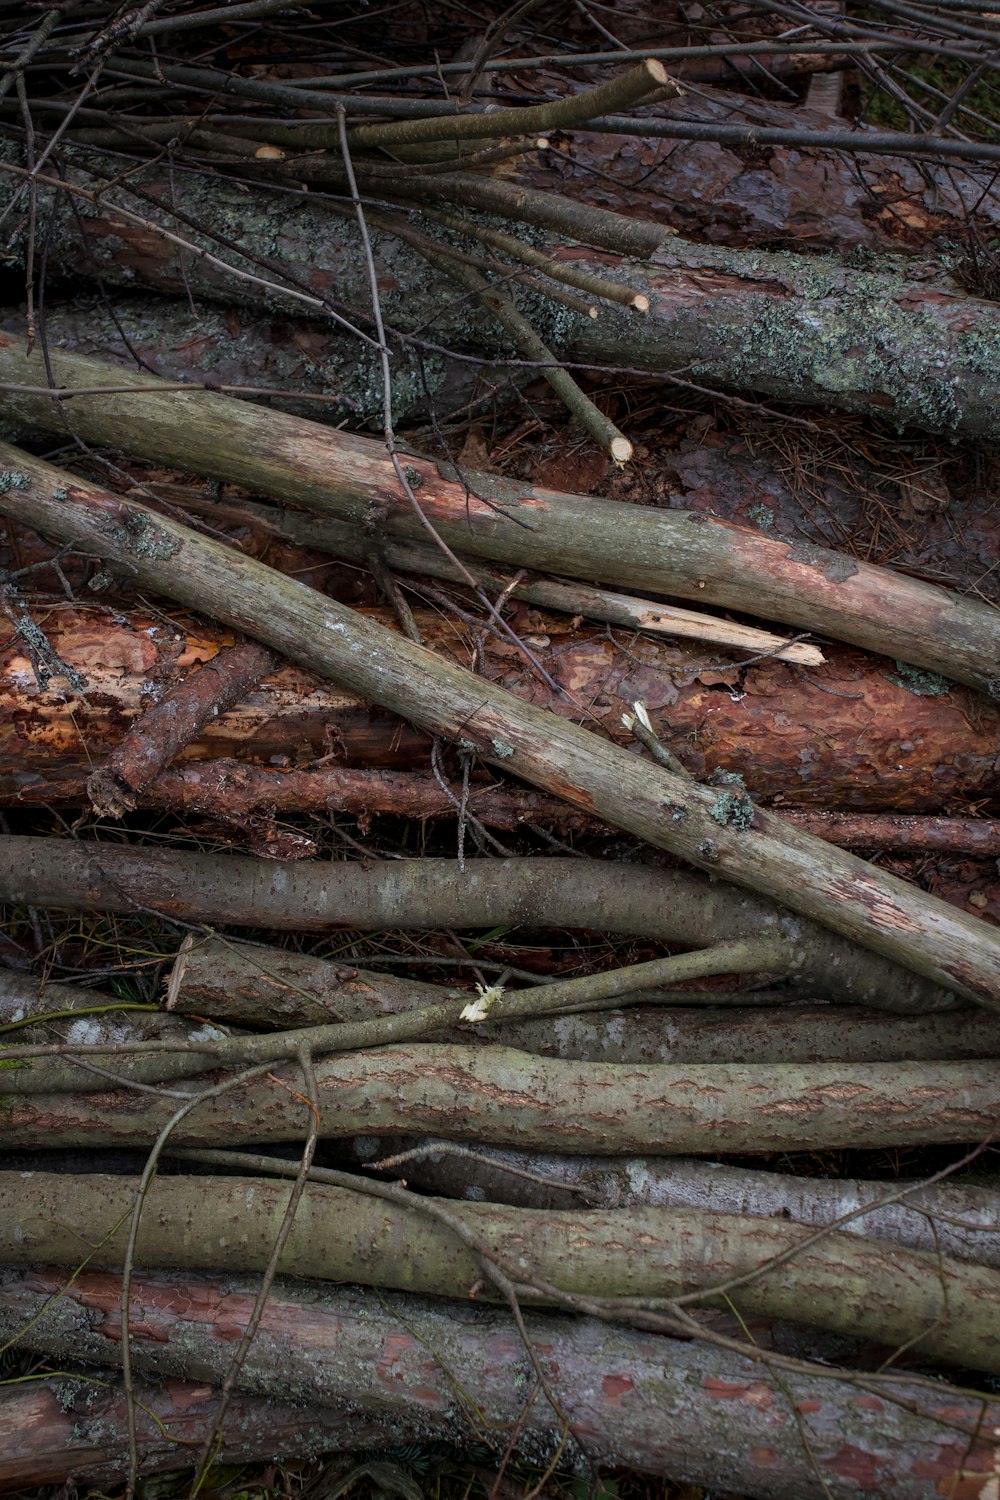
661, 1406
848, 734
164, 730
770, 195
63, 1429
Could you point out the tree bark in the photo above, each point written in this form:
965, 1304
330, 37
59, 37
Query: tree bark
250, 985
776, 325
165, 729
66, 1429
924, 515
348, 476
887, 743
503, 1097
666, 808
961, 1222
670, 906
949, 1309
686, 1410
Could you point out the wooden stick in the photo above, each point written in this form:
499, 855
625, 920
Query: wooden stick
949, 1308
673, 552
670, 811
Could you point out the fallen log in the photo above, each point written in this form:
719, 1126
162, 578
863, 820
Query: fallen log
67, 1428
496, 1095
963, 1222
775, 325
950, 1310
251, 985
851, 734
659, 1406
670, 906
923, 515
678, 552
712, 829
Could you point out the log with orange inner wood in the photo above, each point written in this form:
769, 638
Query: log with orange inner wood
851, 736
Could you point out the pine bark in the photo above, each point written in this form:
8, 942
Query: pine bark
686, 1410
888, 741
775, 325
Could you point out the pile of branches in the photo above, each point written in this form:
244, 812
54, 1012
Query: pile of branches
493, 971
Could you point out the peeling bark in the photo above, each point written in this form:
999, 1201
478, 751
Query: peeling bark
668, 809
677, 552
849, 734
167, 728
789, 327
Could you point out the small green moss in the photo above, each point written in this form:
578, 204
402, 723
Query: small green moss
13, 479
501, 748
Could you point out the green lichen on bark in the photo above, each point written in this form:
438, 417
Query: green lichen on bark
732, 808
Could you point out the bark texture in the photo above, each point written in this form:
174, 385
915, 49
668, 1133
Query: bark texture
660, 1406
952, 1221
504, 1097
68, 1429
778, 325
850, 734
427, 893
353, 479
269, 987
949, 1309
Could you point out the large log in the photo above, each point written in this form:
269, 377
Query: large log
863, 1289
354, 479
320, 896
685, 1410
854, 733
782, 326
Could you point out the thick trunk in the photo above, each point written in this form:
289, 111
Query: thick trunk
870, 1291
850, 734
775, 325
685, 1410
